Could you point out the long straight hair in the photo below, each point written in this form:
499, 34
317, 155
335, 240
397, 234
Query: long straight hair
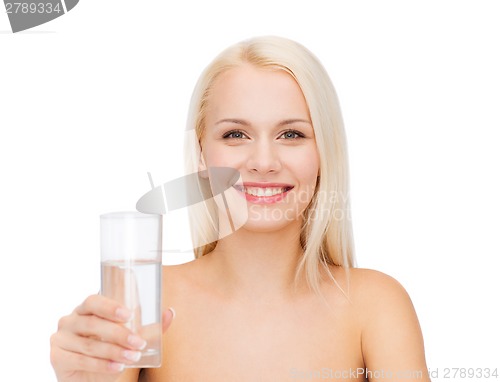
326, 232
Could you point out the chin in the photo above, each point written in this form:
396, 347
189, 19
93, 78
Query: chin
261, 224
263, 228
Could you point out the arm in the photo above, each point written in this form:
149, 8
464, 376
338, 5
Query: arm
129, 375
391, 337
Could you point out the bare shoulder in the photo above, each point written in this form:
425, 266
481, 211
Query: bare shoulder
365, 275
369, 287
377, 297
182, 279
178, 270
178, 275
390, 332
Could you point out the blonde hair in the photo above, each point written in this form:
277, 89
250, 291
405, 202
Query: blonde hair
326, 234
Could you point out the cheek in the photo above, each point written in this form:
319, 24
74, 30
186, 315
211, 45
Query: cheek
305, 166
219, 157
309, 179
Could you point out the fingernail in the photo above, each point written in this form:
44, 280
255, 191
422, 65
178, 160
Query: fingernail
115, 366
136, 342
173, 312
123, 314
131, 355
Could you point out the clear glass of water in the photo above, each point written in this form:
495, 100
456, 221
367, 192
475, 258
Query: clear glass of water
131, 250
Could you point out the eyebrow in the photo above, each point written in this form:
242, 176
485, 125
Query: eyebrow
246, 123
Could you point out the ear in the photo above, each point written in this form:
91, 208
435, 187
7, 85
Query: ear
202, 167
201, 163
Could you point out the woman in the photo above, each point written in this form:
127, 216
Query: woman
278, 299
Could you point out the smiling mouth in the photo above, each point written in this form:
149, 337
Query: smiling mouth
263, 194
263, 191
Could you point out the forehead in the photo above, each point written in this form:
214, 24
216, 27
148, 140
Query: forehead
247, 89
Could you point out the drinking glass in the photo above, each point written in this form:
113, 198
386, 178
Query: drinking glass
131, 248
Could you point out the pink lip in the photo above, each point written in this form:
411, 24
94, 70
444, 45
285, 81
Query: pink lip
264, 184
263, 199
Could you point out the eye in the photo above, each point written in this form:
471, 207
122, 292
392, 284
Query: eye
234, 134
292, 134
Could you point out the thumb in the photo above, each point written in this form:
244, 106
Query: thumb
168, 317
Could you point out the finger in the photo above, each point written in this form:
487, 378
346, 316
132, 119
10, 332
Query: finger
104, 307
63, 360
107, 331
98, 349
168, 317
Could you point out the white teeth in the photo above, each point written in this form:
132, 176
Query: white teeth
268, 191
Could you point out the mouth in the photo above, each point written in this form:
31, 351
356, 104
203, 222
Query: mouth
264, 193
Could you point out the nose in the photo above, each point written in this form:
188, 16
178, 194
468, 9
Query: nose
264, 158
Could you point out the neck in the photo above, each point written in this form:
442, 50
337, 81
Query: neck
257, 266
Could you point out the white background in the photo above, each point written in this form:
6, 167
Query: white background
93, 100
